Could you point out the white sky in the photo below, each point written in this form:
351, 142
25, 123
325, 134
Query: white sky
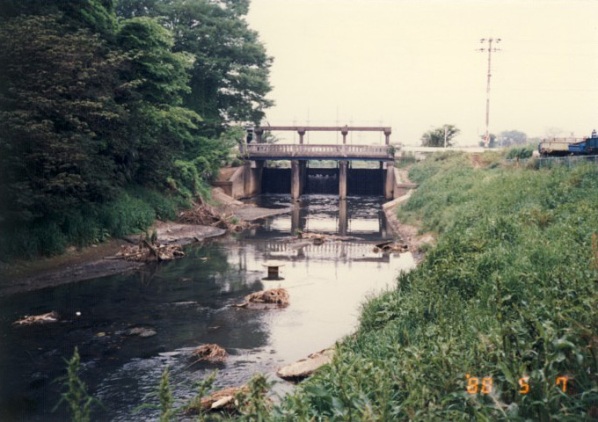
413, 65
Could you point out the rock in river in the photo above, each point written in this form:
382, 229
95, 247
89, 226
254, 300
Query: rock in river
305, 367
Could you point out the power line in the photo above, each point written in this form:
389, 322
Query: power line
490, 50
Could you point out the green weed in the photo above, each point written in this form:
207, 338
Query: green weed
76, 396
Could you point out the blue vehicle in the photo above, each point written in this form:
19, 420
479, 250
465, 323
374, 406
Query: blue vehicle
588, 146
561, 147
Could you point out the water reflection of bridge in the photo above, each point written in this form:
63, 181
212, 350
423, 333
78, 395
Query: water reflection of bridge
299, 221
297, 249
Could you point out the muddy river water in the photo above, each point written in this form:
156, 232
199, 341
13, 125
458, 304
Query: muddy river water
180, 305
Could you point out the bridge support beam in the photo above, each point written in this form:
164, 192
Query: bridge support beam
342, 179
389, 186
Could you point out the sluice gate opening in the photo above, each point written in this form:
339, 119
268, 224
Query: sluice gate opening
325, 181
276, 180
365, 181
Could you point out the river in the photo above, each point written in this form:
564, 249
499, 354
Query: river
187, 303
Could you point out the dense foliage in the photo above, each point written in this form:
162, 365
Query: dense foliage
101, 100
507, 296
511, 137
440, 137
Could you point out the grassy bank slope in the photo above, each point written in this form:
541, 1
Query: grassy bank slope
510, 291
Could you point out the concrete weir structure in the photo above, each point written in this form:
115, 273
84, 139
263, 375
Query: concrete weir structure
257, 153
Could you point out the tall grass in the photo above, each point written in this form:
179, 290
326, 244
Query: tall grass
132, 211
509, 292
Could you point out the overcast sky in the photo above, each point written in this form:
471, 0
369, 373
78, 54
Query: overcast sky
414, 65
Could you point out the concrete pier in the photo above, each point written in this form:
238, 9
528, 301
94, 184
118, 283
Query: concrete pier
342, 179
295, 180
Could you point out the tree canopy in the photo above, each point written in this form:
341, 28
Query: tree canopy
511, 137
440, 137
229, 77
97, 96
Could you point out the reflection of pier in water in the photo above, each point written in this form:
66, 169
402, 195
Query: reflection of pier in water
300, 221
297, 249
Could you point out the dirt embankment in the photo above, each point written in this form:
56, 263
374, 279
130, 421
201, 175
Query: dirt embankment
99, 260
409, 234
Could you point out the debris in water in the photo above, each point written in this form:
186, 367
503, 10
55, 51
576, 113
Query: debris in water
317, 238
146, 251
279, 297
141, 332
220, 400
391, 246
210, 353
38, 319
206, 215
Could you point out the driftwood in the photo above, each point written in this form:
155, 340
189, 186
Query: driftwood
210, 353
278, 297
38, 319
146, 252
220, 400
206, 215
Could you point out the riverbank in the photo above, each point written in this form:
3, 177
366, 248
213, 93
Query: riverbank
79, 264
497, 322
408, 233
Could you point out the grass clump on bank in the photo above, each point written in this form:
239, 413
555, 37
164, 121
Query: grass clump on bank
497, 318
132, 211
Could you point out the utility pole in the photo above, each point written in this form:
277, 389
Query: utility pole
490, 50
445, 129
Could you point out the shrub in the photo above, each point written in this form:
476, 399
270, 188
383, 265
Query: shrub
126, 215
520, 152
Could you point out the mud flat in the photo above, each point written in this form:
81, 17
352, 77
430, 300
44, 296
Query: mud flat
93, 261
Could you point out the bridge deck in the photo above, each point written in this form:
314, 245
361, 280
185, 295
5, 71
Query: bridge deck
319, 152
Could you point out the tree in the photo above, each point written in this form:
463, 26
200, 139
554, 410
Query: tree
157, 79
91, 105
97, 16
59, 121
511, 137
440, 137
229, 77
